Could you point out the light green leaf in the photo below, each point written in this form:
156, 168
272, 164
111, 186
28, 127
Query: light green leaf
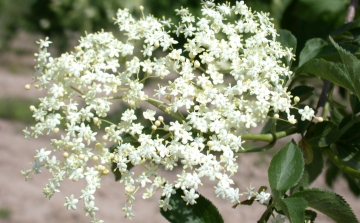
329, 203
311, 49
201, 212
286, 168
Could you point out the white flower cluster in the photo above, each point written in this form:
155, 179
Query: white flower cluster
224, 81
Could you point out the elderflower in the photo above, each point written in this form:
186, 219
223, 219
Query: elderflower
222, 84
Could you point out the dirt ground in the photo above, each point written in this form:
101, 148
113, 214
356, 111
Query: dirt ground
26, 203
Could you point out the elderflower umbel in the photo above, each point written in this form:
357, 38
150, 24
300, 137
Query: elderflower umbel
222, 84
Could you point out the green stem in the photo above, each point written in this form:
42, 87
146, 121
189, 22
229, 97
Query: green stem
161, 105
342, 166
269, 137
265, 216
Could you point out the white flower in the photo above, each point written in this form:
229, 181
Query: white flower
307, 113
190, 196
278, 219
263, 197
71, 202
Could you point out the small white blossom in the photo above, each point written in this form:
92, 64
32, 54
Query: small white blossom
307, 113
263, 197
71, 202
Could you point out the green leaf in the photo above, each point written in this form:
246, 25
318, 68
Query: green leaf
331, 174
322, 134
330, 71
287, 40
352, 65
307, 151
311, 49
286, 168
345, 28
349, 127
201, 212
311, 172
303, 92
349, 154
355, 104
295, 209
310, 216
329, 203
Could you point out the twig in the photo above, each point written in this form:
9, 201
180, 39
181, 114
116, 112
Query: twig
351, 11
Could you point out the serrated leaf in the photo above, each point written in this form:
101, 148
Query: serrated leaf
295, 209
322, 134
311, 49
352, 65
286, 168
355, 104
330, 71
201, 212
311, 171
306, 151
329, 203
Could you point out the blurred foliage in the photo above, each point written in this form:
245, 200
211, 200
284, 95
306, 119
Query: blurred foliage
56, 18
17, 109
306, 19
5, 213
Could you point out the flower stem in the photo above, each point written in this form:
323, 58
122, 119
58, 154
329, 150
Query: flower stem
161, 105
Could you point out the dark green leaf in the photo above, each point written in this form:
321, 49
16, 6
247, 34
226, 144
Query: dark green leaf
329, 203
349, 154
295, 209
322, 134
303, 92
306, 151
345, 28
201, 212
286, 168
311, 172
330, 71
349, 130
352, 65
336, 115
311, 49
355, 104
331, 174
354, 184
310, 216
